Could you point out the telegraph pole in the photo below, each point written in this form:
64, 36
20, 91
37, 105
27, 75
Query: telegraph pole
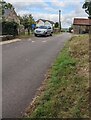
60, 20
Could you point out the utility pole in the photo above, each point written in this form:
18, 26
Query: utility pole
60, 20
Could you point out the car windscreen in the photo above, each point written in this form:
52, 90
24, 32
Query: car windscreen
42, 27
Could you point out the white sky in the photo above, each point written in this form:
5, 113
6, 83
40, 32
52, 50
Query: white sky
48, 9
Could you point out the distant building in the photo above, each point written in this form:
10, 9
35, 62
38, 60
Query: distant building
81, 25
10, 15
43, 22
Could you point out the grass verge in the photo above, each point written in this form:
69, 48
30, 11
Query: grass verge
24, 36
65, 92
57, 33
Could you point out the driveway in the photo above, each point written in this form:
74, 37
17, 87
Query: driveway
24, 65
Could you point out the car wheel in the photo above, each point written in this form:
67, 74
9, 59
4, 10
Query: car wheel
51, 34
46, 34
36, 35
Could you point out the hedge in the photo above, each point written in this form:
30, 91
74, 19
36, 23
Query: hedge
9, 28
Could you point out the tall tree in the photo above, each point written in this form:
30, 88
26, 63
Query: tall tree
4, 5
56, 25
27, 21
87, 7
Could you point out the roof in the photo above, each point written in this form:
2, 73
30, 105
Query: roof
81, 21
45, 21
10, 14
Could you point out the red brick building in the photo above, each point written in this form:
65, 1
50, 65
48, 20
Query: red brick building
81, 25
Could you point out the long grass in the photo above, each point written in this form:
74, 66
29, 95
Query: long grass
65, 92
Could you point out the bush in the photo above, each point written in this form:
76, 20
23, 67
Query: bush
56, 25
6, 37
9, 28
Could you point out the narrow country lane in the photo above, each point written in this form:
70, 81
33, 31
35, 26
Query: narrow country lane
24, 65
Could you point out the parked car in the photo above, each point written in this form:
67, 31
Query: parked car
43, 30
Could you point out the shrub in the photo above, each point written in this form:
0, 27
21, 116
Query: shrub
56, 25
9, 28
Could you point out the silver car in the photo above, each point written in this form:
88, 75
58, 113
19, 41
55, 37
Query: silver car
43, 30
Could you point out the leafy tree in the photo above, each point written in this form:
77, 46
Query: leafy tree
9, 28
4, 5
87, 7
56, 25
27, 21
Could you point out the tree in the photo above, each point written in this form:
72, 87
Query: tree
87, 7
4, 5
27, 21
56, 25
9, 28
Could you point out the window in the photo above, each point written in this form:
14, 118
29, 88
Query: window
49, 27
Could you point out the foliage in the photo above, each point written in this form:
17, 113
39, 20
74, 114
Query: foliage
87, 7
27, 21
9, 28
56, 25
4, 6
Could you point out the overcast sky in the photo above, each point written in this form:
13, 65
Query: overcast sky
48, 9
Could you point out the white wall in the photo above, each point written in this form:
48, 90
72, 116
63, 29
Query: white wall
48, 24
40, 23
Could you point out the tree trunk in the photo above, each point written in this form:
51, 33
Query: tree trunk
24, 31
28, 31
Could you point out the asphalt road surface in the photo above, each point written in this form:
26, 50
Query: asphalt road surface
24, 66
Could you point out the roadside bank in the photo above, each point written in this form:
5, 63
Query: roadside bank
65, 91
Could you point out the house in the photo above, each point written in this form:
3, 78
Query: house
81, 25
10, 15
43, 22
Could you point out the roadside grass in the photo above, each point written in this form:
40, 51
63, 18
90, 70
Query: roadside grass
65, 91
57, 33
25, 35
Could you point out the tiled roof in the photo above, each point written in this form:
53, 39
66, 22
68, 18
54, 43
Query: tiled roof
45, 21
10, 14
81, 21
